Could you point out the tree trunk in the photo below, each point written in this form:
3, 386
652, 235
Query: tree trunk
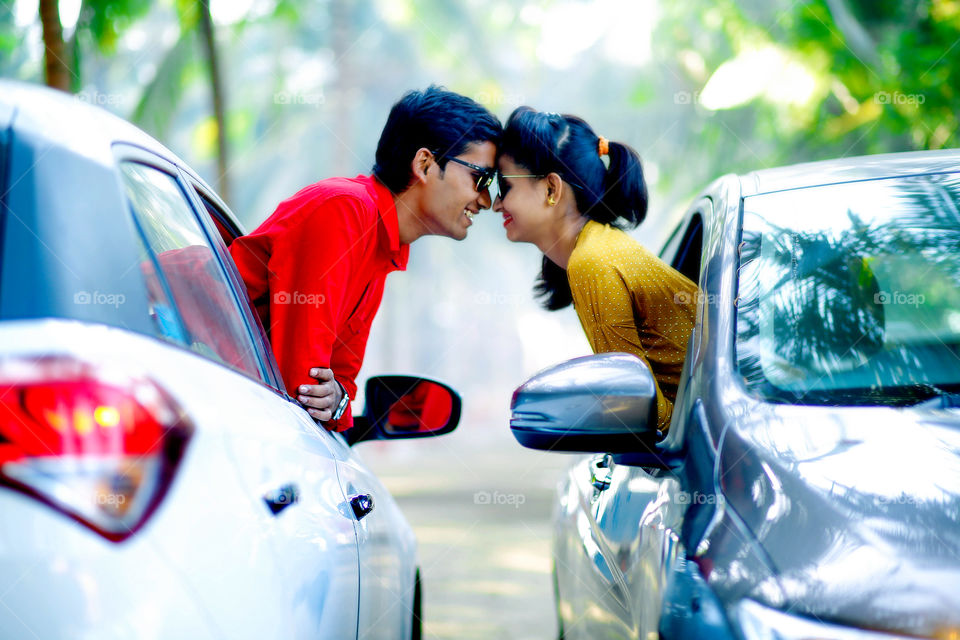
216, 86
56, 69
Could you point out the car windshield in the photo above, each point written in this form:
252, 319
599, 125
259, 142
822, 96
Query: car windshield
849, 294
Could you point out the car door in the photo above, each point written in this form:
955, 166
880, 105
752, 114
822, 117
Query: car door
304, 533
386, 548
587, 587
639, 510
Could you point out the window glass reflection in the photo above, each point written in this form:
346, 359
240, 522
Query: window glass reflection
850, 293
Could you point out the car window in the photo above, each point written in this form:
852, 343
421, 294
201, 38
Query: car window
184, 264
228, 232
687, 258
225, 227
683, 250
850, 293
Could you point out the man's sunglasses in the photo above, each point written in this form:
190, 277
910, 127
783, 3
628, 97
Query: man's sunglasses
483, 175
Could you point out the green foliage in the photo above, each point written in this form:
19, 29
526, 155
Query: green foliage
108, 19
887, 68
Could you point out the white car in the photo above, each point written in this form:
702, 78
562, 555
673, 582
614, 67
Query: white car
156, 480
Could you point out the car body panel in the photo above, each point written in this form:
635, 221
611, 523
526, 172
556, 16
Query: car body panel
843, 514
255, 536
387, 554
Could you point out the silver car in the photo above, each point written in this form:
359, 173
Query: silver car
156, 480
809, 483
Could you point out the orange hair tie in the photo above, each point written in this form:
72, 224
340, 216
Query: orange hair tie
603, 146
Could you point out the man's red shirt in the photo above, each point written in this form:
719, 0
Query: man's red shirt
315, 270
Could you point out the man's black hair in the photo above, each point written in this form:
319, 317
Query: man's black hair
441, 121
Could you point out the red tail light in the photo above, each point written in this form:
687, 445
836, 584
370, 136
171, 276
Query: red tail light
96, 444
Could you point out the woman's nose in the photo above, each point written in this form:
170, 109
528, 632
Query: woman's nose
498, 204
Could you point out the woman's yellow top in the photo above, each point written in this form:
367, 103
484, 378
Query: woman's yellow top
629, 300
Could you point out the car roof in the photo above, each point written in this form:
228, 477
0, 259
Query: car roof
853, 169
69, 121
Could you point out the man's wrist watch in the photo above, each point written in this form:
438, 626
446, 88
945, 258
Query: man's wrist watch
344, 403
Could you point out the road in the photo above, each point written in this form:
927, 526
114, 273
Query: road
481, 508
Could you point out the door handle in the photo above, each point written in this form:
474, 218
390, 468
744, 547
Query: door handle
279, 499
600, 472
362, 504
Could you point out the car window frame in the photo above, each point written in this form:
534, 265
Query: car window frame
695, 219
204, 198
127, 153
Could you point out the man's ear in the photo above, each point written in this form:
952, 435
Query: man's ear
554, 188
421, 164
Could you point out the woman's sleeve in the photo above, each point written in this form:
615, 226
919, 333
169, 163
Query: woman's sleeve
609, 318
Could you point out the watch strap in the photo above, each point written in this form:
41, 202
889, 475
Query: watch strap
344, 403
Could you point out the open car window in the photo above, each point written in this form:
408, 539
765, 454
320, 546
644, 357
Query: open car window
190, 285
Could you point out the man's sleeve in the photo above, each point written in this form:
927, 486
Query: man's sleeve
310, 267
348, 350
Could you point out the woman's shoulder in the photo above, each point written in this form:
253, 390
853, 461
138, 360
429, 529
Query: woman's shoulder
592, 249
602, 244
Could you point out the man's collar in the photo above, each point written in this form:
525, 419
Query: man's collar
387, 209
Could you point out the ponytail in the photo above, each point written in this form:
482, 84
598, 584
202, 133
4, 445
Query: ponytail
624, 188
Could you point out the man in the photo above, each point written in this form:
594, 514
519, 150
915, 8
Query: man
315, 268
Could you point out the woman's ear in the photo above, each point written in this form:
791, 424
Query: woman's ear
421, 164
554, 188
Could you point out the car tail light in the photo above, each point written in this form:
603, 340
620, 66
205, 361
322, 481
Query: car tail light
96, 444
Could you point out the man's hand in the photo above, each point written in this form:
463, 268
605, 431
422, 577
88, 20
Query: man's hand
320, 400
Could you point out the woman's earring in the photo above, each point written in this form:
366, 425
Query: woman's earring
551, 201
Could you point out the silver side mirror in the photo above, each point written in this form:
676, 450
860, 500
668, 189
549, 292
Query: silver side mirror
600, 403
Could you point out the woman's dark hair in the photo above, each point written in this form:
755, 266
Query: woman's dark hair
614, 194
437, 119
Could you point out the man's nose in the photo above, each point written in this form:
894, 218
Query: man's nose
484, 199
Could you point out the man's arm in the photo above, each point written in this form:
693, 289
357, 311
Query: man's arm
345, 362
311, 266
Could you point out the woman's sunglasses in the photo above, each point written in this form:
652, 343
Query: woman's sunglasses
483, 175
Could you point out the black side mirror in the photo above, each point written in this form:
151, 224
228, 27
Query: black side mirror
405, 407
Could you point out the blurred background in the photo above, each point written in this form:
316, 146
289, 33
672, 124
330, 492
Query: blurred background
263, 97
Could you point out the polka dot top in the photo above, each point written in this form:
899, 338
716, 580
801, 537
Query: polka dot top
629, 300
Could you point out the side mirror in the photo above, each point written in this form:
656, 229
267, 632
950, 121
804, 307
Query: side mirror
605, 403
405, 407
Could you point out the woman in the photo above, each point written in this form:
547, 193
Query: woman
556, 192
